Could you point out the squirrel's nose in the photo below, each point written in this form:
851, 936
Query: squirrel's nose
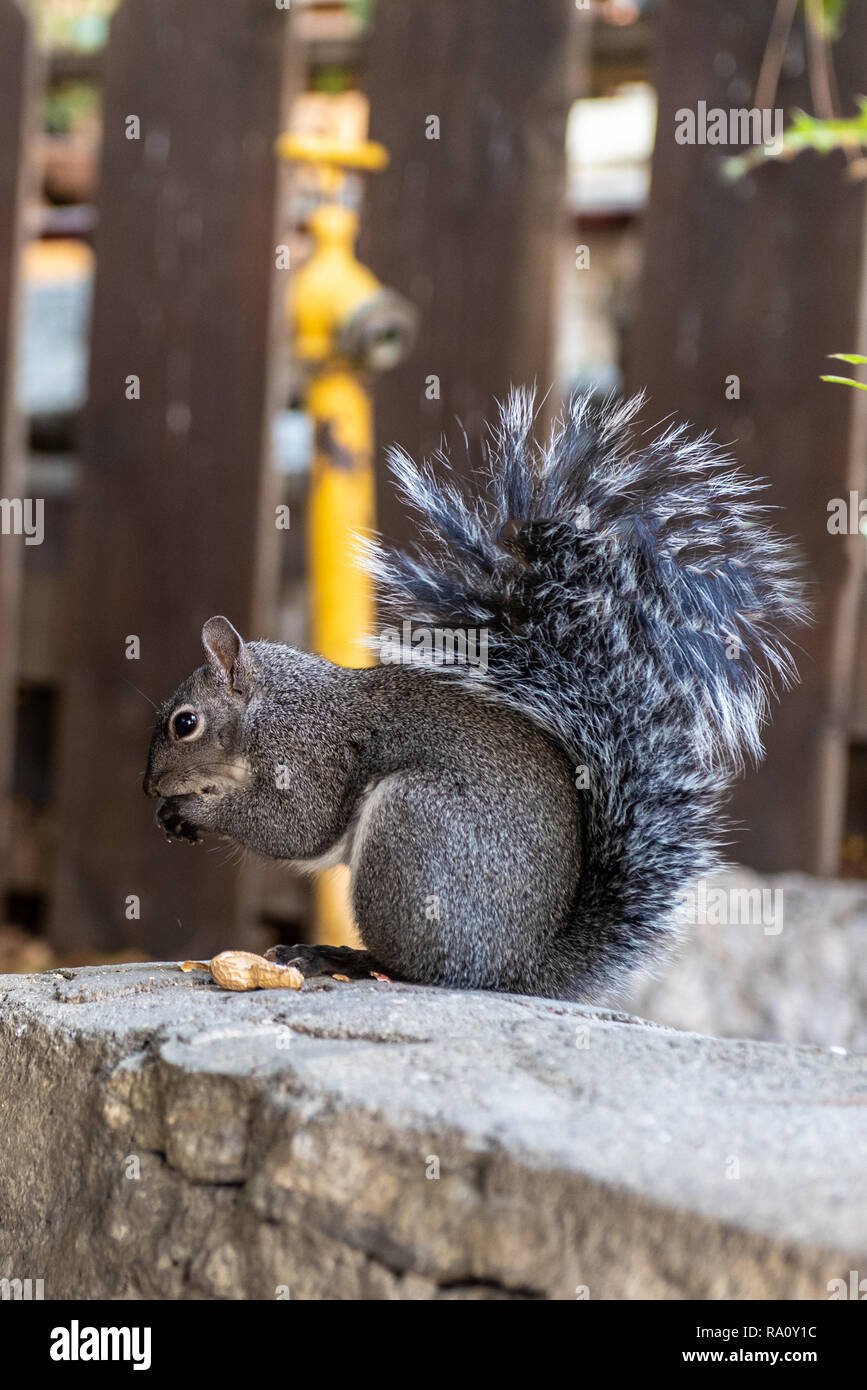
149, 787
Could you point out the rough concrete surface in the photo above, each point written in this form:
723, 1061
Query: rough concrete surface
163, 1139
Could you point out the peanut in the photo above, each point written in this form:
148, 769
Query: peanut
241, 970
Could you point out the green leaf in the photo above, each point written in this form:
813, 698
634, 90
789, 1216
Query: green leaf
806, 133
854, 357
846, 381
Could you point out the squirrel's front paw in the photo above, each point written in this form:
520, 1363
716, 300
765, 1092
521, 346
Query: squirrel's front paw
172, 818
340, 961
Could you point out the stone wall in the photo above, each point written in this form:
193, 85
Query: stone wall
786, 964
163, 1139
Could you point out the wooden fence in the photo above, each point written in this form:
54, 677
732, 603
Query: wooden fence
758, 280
171, 518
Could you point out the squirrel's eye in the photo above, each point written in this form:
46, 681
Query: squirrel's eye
185, 723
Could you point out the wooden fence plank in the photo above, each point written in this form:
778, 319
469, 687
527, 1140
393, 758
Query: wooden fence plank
16, 85
759, 279
175, 491
466, 223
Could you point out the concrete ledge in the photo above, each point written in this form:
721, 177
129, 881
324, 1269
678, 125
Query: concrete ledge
163, 1139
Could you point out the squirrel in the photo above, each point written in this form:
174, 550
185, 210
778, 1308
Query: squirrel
527, 824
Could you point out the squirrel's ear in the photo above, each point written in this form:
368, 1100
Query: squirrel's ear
226, 653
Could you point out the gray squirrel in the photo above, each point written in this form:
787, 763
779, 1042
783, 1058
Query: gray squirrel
530, 826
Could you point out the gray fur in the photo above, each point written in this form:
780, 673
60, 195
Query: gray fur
476, 861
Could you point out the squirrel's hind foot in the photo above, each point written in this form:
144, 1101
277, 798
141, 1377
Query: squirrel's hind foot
328, 960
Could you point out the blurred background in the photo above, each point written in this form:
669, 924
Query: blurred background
539, 220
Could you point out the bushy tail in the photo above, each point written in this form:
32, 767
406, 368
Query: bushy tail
633, 594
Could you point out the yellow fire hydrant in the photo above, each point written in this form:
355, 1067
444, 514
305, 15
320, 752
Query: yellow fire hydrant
344, 325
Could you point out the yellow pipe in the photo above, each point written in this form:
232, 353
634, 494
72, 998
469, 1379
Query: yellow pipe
326, 297
331, 154
340, 508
